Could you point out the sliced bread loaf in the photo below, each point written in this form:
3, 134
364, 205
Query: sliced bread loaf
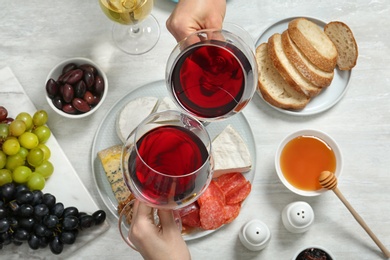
311, 72
347, 49
273, 88
313, 43
287, 70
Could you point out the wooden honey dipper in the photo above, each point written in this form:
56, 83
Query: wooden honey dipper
329, 181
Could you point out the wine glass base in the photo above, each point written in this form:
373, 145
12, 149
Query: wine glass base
137, 39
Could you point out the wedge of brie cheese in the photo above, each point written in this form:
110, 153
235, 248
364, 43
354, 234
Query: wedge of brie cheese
132, 115
230, 153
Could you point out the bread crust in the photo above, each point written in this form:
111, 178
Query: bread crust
287, 70
311, 72
313, 43
342, 37
272, 87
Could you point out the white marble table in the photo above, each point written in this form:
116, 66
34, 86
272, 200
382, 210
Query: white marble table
38, 34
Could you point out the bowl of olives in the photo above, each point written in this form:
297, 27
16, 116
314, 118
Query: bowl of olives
76, 87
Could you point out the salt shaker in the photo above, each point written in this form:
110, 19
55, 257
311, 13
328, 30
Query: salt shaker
255, 235
297, 217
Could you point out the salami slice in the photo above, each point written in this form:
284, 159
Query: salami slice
231, 212
212, 214
234, 182
213, 192
238, 194
188, 209
192, 219
223, 179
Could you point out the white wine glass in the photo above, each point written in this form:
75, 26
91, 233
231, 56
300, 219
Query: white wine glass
136, 30
212, 74
166, 163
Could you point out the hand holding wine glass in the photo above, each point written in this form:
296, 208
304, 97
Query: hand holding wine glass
166, 164
157, 242
135, 31
193, 15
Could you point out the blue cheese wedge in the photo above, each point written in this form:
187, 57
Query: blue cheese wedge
230, 153
111, 162
132, 114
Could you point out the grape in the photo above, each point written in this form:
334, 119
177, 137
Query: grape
3, 113
4, 225
86, 221
46, 151
21, 234
68, 237
57, 209
14, 161
33, 242
26, 118
25, 210
49, 200
7, 191
71, 211
3, 159
23, 152
4, 130
46, 169
38, 194
11, 146
5, 176
35, 157
43, 133
28, 140
40, 118
36, 181
21, 174
24, 196
17, 127
99, 216
70, 223
41, 210
56, 246
50, 221
27, 223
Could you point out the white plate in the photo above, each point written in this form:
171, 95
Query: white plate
328, 97
64, 184
106, 137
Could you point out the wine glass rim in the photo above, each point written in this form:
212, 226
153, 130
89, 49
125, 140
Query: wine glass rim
208, 147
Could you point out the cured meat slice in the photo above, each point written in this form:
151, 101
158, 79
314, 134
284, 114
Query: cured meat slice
213, 192
231, 212
238, 194
223, 179
192, 219
234, 182
212, 214
188, 209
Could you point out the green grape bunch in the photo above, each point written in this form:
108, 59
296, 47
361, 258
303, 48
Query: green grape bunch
24, 155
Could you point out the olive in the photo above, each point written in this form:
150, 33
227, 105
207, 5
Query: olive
88, 97
79, 89
99, 85
68, 93
81, 105
68, 67
52, 88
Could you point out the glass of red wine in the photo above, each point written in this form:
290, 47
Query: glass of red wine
166, 163
212, 74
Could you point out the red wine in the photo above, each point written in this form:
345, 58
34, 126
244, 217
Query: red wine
209, 80
174, 152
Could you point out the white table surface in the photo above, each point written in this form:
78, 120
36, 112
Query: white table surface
36, 35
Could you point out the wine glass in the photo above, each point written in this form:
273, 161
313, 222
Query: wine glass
166, 163
212, 74
135, 30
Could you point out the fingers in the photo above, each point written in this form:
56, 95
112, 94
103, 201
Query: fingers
167, 220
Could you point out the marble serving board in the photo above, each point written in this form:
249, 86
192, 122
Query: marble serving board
65, 184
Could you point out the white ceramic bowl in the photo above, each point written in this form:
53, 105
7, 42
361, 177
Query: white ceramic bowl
327, 251
308, 132
56, 72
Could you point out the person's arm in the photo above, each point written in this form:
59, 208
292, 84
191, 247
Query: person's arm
152, 242
193, 15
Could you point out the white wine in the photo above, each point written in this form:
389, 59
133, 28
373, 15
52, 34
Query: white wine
126, 11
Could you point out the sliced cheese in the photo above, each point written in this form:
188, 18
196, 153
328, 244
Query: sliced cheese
230, 153
111, 162
132, 114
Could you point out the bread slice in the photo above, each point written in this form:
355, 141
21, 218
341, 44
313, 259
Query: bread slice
273, 88
311, 72
342, 37
314, 43
288, 71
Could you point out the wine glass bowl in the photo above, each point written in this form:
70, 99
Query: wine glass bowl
212, 74
166, 160
135, 30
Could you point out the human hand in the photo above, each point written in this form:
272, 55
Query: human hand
193, 15
164, 242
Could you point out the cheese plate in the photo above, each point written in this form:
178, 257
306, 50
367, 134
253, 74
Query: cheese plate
106, 136
329, 96
64, 184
